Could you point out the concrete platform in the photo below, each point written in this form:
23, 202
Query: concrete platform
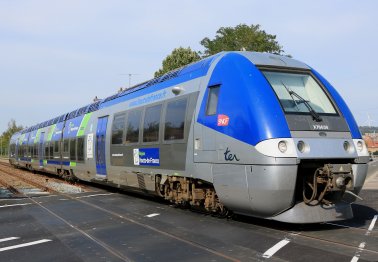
371, 181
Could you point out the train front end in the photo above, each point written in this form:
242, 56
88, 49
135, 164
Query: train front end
325, 140
303, 157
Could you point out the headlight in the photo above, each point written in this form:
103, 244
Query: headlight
360, 145
302, 147
282, 146
346, 146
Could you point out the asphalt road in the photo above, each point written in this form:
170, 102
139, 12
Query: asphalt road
113, 226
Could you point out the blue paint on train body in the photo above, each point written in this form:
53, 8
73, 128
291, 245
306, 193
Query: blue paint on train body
247, 99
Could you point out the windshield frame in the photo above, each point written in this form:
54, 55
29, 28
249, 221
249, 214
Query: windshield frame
299, 72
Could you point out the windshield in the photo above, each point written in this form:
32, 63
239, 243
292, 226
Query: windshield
299, 93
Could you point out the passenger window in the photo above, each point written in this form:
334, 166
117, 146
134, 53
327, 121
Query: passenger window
175, 120
73, 149
56, 146
35, 151
133, 123
117, 130
51, 150
46, 156
212, 100
151, 124
80, 148
65, 145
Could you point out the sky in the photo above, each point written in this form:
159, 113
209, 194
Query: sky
56, 56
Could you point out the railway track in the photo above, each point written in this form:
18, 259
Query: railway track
18, 181
291, 232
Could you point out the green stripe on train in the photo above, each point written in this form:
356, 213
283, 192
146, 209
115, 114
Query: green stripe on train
51, 132
37, 136
84, 124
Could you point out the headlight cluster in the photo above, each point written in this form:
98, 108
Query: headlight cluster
303, 147
347, 146
360, 146
282, 146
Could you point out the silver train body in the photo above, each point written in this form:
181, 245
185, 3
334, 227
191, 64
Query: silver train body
252, 133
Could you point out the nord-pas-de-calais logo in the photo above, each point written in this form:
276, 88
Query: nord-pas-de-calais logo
146, 156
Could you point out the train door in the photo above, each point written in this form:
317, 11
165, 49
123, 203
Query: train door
100, 147
41, 149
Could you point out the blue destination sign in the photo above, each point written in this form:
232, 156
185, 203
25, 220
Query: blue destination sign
146, 156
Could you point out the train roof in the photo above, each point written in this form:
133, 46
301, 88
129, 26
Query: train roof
183, 74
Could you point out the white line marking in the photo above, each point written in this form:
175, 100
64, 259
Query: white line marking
25, 204
25, 244
360, 249
372, 223
271, 251
153, 215
96, 195
8, 238
363, 244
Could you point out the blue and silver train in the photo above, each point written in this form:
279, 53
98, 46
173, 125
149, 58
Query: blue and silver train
253, 133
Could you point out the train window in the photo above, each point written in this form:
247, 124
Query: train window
151, 124
35, 152
212, 100
27, 150
47, 151
117, 129
56, 146
300, 93
133, 123
80, 148
73, 149
51, 150
65, 146
175, 120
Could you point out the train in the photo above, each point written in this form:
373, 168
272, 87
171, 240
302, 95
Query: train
250, 133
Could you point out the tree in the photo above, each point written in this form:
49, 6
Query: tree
178, 58
6, 135
241, 37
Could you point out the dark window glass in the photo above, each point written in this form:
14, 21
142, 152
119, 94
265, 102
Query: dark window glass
35, 151
117, 130
175, 120
212, 100
47, 154
151, 124
299, 93
65, 146
51, 150
133, 123
73, 149
56, 146
80, 148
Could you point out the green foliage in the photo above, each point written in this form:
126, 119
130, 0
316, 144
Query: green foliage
6, 135
241, 37
178, 58
238, 38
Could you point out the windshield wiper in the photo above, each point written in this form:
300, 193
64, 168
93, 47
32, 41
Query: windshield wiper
315, 115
